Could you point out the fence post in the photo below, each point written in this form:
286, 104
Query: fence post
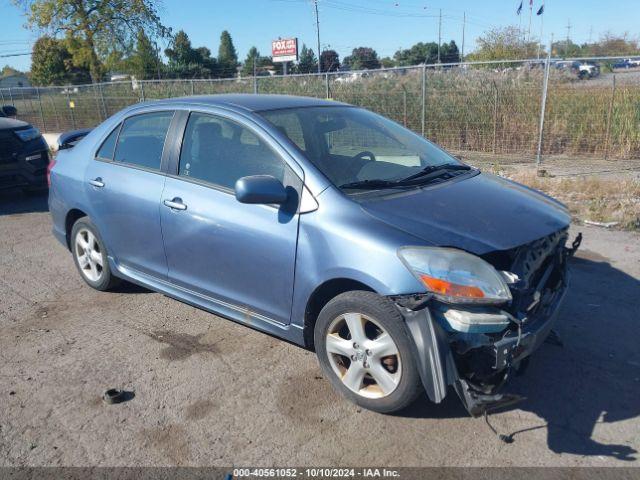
326, 84
55, 111
11, 97
2, 94
73, 117
104, 106
44, 125
141, 83
192, 89
609, 115
404, 106
495, 116
423, 115
543, 108
255, 83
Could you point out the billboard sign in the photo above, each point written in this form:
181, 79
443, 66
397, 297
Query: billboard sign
284, 50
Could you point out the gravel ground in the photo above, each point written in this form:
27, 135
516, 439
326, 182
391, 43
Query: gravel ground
207, 391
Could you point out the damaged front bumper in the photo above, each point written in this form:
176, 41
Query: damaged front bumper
477, 361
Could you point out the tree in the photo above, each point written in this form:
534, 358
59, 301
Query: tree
94, 28
506, 43
145, 62
9, 70
186, 61
449, 52
307, 62
254, 58
329, 61
227, 56
419, 53
51, 64
362, 58
387, 62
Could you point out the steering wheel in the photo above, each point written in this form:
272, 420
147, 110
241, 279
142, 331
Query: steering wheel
365, 153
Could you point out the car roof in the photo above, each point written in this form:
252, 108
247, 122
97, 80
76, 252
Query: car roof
251, 102
11, 123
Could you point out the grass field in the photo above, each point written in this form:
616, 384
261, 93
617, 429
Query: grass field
466, 110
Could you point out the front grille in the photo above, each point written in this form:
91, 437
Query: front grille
9, 144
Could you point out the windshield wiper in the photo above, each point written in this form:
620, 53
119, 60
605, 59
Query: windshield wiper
373, 184
432, 169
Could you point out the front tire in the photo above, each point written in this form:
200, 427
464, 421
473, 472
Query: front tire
364, 350
90, 255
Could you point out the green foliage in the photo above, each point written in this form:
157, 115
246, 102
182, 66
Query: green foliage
8, 70
186, 61
145, 62
227, 56
427, 53
329, 61
308, 63
94, 28
608, 45
362, 58
260, 62
51, 64
506, 43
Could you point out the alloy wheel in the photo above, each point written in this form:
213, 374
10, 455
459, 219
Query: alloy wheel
89, 255
363, 355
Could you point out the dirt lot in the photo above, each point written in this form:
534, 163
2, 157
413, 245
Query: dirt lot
211, 392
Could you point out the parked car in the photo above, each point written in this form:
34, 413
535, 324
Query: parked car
582, 69
627, 63
585, 70
24, 154
326, 225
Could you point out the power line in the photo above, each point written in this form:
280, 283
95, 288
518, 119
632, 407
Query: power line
15, 55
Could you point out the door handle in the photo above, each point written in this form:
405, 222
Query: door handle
175, 204
97, 182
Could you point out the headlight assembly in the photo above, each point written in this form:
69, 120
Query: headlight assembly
455, 276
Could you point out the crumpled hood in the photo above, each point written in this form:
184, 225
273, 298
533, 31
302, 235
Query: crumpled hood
480, 214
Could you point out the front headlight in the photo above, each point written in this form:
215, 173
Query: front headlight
28, 133
455, 276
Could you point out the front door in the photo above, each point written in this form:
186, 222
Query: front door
124, 184
239, 255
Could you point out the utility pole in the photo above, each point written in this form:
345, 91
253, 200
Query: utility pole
439, 34
590, 33
566, 44
464, 21
315, 4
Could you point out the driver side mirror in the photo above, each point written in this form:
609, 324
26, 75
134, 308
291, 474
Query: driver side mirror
260, 189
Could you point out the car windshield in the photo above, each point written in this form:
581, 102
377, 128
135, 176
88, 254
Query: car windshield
358, 149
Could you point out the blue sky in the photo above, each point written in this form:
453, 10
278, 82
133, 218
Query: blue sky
385, 25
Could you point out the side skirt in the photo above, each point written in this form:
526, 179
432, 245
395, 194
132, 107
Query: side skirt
243, 315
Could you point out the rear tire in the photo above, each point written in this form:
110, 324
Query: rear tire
90, 255
364, 350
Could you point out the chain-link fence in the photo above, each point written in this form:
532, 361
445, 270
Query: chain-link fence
486, 111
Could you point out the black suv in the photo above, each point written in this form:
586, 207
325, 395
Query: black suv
24, 154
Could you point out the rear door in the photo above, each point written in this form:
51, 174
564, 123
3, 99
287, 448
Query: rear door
240, 256
124, 184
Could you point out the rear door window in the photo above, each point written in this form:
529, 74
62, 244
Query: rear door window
141, 139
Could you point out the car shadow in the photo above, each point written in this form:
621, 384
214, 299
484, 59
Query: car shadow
15, 201
593, 378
